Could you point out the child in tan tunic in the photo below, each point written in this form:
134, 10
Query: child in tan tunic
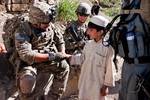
97, 65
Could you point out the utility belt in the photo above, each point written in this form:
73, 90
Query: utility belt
139, 60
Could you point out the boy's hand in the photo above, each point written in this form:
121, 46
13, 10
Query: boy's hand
104, 90
2, 48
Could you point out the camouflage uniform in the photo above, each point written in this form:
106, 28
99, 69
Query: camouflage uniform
75, 33
75, 37
7, 84
50, 76
7, 79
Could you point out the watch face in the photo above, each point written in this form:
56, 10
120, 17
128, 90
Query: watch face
131, 4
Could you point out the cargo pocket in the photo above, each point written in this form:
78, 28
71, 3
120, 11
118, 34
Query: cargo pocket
100, 59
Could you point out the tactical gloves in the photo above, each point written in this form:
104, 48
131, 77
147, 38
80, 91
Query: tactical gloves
57, 56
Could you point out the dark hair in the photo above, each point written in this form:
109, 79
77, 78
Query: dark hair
98, 28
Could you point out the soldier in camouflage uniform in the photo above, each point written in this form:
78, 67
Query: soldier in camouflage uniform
14, 8
42, 70
7, 79
75, 39
7, 83
75, 32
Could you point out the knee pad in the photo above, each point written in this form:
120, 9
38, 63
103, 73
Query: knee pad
27, 80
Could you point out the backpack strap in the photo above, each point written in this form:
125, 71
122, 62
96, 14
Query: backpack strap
147, 34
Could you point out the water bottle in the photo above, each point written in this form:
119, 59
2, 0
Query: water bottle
130, 36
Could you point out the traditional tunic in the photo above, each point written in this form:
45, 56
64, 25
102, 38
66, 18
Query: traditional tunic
97, 70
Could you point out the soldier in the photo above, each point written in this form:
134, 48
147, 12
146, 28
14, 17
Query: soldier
75, 32
7, 79
135, 67
17, 7
75, 39
95, 8
42, 70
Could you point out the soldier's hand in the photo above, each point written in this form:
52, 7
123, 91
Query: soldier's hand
2, 48
58, 56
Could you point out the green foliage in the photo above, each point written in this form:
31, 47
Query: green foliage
66, 10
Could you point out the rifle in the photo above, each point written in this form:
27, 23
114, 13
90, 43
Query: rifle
77, 40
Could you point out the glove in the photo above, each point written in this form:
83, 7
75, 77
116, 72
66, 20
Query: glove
56, 56
59, 56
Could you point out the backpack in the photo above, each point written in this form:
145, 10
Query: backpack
132, 33
10, 27
130, 38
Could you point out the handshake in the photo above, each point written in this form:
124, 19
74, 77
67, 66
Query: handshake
75, 59
58, 56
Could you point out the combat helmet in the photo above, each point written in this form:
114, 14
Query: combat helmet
84, 9
41, 12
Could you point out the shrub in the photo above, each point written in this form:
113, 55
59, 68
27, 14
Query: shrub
66, 10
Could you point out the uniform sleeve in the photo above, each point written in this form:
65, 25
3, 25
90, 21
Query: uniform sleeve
69, 42
110, 69
59, 40
24, 48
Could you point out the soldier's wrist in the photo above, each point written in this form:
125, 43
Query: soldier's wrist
52, 56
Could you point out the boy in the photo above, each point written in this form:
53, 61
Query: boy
97, 66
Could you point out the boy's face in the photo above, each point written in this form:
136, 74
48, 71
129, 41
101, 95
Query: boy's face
94, 34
